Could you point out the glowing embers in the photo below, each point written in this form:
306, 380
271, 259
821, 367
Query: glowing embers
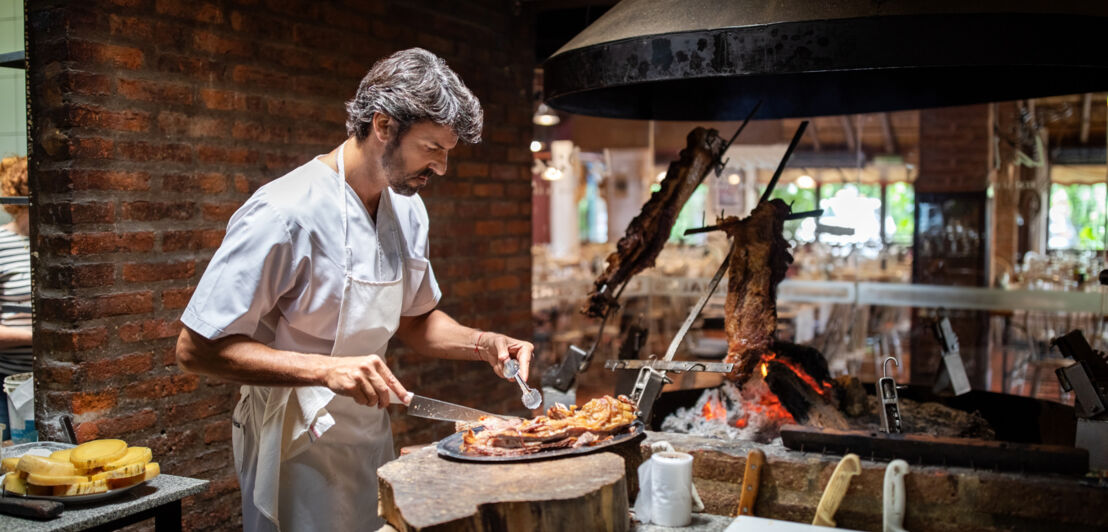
753, 413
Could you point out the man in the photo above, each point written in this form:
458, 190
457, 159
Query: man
318, 270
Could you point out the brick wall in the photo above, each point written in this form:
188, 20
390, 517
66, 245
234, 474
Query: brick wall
153, 120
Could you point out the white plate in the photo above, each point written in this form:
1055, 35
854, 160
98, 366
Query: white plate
75, 499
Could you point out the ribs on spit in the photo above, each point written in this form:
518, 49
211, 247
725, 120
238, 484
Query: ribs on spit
648, 232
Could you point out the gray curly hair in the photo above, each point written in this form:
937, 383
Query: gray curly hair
410, 86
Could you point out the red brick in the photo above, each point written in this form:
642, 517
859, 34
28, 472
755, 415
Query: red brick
467, 169
78, 213
222, 100
159, 387
70, 339
96, 243
176, 298
100, 118
158, 271
198, 11
61, 374
138, 331
262, 25
221, 154
488, 190
86, 83
218, 431
148, 211
506, 172
193, 240
84, 402
215, 44
145, 151
94, 53
91, 148
207, 183
256, 76
107, 368
259, 132
207, 70
155, 91
98, 306
117, 426
488, 228
109, 180
504, 282
202, 409
220, 212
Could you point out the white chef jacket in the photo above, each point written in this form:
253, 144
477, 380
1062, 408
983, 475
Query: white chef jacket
278, 275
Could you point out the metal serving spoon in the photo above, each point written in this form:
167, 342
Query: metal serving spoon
532, 398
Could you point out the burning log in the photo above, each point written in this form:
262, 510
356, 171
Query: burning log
798, 376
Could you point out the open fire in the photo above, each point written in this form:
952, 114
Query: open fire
752, 412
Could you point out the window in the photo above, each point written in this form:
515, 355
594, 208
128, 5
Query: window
1077, 216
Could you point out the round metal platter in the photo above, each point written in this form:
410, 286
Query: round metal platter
451, 447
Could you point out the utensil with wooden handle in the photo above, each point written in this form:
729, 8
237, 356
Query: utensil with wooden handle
755, 461
848, 467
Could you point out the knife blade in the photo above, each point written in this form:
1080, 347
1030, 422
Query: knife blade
425, 407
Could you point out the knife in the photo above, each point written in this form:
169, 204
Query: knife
425, 407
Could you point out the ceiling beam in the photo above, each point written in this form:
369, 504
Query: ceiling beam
848, 132
889, 134
1086, 116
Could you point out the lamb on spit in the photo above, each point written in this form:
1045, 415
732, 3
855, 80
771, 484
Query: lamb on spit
758, 263
648, 232
598, 420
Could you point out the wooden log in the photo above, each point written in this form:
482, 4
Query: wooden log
422, 491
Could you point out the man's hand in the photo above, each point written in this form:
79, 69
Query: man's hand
367, 379
496, 349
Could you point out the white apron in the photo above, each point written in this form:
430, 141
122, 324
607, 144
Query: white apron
309, 462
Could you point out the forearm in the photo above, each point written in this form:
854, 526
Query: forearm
14, 336
245, 361
436, 334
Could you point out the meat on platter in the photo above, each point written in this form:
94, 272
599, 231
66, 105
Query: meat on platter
596, 421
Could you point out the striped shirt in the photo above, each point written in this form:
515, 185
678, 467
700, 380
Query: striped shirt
15, 289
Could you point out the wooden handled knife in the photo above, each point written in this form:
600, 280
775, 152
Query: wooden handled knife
755, 461
848, 467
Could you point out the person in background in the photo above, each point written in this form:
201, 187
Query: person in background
15, 280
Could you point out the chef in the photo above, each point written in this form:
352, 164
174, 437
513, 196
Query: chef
319, 269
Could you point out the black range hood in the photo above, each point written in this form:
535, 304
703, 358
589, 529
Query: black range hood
713, 59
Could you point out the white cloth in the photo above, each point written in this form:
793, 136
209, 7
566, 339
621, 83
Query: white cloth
306, 458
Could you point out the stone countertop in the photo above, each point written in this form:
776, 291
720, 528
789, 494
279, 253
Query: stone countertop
156, 492
700, 523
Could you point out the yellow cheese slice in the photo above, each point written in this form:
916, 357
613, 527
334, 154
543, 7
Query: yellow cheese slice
62, 455
42, 465
96, 453
121, 472
152, 470
8, 464
15, 484
134, 455
117, 483
81, 488
54, 480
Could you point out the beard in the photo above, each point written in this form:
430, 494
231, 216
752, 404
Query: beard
392, 161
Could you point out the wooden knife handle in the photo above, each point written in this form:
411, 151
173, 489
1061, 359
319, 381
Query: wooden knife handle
33, 508
848, 467
755, 461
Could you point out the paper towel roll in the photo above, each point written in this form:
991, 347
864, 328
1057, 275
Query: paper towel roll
672, 497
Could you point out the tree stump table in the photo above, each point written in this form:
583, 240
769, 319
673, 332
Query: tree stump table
422, 491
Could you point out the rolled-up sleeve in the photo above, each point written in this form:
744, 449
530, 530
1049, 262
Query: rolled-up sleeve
249, 273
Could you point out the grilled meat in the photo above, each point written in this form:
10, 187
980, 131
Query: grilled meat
647, 233
597, 421
759, 260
